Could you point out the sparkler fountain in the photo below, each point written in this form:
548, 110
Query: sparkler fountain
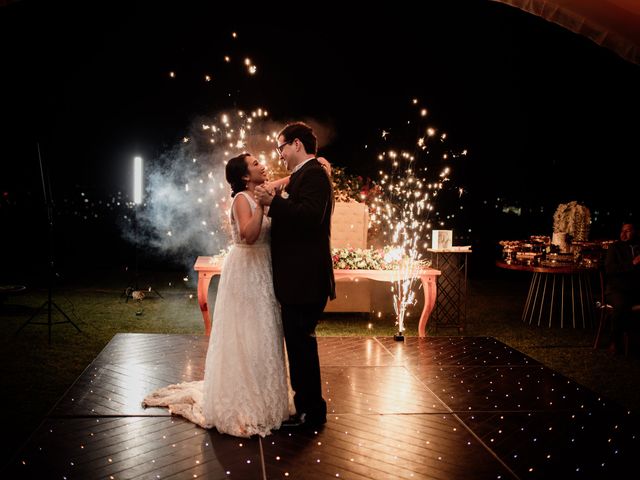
404, 209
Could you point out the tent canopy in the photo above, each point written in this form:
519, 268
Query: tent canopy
614, 24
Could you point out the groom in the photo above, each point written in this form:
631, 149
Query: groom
302, 264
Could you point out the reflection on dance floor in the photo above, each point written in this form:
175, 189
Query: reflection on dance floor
434, 407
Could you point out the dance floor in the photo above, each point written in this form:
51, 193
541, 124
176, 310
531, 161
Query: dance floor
425, 408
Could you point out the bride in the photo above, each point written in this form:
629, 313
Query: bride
245, 390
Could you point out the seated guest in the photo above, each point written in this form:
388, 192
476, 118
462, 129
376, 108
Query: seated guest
622, 277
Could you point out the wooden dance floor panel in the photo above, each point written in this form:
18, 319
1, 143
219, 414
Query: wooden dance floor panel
425, 408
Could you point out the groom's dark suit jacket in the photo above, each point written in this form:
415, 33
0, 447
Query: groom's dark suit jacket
301, 238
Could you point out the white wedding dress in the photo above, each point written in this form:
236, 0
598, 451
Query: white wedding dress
246, 390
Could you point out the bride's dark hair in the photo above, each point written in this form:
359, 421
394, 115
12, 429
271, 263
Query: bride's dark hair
234, 171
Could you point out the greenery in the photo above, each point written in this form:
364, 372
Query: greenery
36, 374
354, 188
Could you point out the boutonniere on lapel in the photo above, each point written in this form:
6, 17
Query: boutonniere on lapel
282, 192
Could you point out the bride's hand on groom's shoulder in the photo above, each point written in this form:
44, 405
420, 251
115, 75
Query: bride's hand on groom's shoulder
325, 164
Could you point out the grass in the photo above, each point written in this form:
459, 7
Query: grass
37, 374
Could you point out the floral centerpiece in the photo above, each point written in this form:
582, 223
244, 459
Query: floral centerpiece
574, 219
386, 258
359, 259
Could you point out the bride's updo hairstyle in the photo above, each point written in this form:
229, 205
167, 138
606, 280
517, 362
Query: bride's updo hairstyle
234, 171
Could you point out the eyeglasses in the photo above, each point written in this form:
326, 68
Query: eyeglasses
282, 145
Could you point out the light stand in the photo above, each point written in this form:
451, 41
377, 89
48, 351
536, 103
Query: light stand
137, 201
128, 292
49, 303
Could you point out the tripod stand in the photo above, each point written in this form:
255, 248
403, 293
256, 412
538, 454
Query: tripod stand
128, 291
49, 303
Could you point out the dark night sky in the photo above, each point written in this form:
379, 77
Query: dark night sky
532, 102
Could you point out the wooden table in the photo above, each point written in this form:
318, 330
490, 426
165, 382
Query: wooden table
209, 267
544, 295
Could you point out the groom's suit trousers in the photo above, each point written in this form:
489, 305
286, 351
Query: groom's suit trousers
299, 323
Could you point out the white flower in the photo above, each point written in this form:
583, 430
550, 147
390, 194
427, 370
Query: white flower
572, 218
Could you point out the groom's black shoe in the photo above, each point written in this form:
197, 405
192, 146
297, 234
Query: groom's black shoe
304, 420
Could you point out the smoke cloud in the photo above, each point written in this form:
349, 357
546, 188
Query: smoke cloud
186, 202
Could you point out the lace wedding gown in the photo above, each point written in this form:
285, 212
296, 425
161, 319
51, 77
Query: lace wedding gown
246, 390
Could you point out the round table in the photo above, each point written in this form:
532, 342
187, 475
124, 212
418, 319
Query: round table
556, 291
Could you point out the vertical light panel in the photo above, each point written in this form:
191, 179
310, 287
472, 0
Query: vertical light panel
137, 180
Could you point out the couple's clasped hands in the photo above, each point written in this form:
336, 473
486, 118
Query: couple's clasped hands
264, 193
